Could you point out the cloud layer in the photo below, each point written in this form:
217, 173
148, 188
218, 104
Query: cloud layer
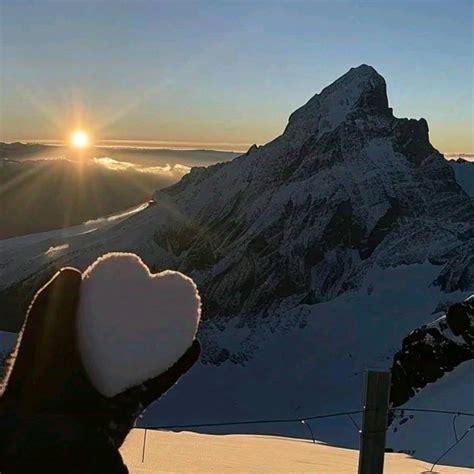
175, 170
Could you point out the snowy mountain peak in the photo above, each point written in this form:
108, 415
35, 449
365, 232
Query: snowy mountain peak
360, 89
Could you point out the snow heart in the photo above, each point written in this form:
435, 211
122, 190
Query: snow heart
133, 325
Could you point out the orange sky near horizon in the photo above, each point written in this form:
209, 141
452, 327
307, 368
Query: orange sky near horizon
225, 74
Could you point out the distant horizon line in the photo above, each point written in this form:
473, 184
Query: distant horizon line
150, 144
183, 145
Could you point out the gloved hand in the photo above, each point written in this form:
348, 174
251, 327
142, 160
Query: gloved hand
52, 419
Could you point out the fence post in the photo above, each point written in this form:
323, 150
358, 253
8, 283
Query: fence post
374, 424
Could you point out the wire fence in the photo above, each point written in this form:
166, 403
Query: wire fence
350, 414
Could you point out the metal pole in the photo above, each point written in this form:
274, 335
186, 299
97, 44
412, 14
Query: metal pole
374, 425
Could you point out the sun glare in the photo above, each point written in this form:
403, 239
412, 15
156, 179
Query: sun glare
80, 139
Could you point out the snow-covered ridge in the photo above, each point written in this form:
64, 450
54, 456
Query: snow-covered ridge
328, 109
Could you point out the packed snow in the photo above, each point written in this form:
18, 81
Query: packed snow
133, 325
191, 452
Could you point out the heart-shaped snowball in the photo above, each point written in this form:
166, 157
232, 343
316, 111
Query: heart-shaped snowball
133, 325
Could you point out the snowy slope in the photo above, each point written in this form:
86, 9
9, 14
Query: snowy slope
26, 257
46, 246
315, 255
182, 452
464, 171
454, 393
314, 365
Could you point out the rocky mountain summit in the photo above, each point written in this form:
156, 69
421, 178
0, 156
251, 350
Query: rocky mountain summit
301, 219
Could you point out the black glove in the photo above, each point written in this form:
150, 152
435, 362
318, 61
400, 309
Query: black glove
52, 419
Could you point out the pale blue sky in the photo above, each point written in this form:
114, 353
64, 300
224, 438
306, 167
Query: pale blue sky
225, 72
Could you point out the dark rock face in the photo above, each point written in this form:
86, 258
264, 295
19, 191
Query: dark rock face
411, 139
430, 351
375, 100
460, 319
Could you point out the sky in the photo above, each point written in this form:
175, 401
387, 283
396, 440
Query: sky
224, 74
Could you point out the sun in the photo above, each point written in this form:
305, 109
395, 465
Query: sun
80, 139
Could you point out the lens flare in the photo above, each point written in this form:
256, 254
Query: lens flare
80, 139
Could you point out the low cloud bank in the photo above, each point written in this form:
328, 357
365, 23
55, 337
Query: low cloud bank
167, 170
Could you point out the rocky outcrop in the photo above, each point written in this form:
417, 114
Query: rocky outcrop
430, 351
